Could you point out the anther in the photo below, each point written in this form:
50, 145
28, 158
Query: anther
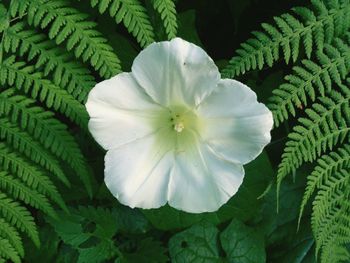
179, 127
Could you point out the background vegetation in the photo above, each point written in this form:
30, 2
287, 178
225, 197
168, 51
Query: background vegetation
294, 203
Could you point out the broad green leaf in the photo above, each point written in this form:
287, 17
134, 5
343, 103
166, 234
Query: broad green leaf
196, 244
243, 244
148, 251
242, 206
130, 221
289, 201
89, 230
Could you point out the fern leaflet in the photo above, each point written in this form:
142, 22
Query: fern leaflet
33, 176
327, 124
310, 80
10, 233
66, 72
19, 217
24, 143
33, 83
70, 25
20, 191
309, 28
327, 166
7, 251
133, 15
167, 11
46, 129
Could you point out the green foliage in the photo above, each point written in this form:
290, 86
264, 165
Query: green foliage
91, 233
317, 92
132, 14
52, 52
51, 55
68, 25
7, 251
242, 244
93, 245
167, 11
304, 30
326, 125
33, 83
199, 243
66, 72
196, 244
312, 79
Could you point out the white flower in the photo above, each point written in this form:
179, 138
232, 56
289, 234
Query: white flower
174, 131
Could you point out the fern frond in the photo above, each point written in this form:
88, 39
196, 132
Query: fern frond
10, 233
311, 79
19, 217
334, 253
307, 28
66, 72
327, 165
32, 82
66, 24
30, 174
167, 11
20, 191
47, 130
330, 218
327, 124
133, 15
24, 143
8, 252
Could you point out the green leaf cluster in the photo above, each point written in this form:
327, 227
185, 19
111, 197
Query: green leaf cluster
53, 205
316, 41
51, 54
201, 243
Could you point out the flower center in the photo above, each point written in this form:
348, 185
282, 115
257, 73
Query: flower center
179, 126
178, 121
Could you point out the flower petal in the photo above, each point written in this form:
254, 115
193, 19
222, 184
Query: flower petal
201, 181
137, 173
175, 72
120, 111
235, 125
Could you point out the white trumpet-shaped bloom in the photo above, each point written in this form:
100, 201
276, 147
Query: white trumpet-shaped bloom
174, 131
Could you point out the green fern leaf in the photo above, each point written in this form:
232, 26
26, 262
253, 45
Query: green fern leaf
32, 175
311, 79
167, 11
7, 251
19, 191
24, 143
10, 233
322, 130
66, 72
19, 217
4, 18
133, 15
66, 24
309, 28
330, 220
45, 128
335, 253
32, 82
327, 165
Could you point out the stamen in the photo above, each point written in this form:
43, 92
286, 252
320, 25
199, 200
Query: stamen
179, 126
